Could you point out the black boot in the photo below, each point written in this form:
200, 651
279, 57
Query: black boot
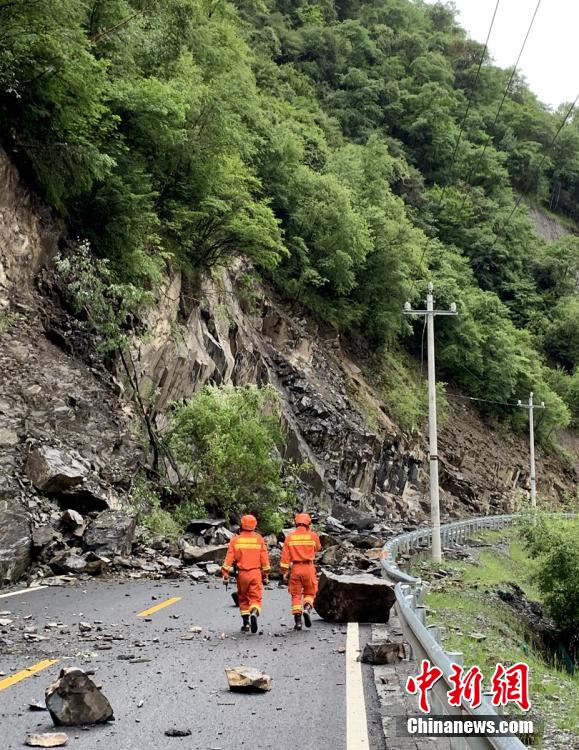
307, 615
253, 619
245, 626
298, 622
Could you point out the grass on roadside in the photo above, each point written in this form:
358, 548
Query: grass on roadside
468, 599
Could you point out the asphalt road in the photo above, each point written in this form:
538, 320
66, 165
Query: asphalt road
180, 682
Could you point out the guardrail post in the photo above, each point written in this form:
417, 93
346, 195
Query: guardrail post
421, 613
434, 631
420, 593
456, 657
488, 694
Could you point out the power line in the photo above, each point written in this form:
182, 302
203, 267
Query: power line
505, 94
462, 124
489, 401
470, 99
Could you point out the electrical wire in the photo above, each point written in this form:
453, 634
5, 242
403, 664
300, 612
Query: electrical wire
503, 99
491, 401
470, 99
461, 128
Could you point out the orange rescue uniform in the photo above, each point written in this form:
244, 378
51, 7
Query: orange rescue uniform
297, 558
247, 551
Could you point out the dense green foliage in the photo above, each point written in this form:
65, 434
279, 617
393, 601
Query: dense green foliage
554, 543
321, 140
228, 440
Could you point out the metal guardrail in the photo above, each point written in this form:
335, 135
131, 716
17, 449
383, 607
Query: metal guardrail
424, 640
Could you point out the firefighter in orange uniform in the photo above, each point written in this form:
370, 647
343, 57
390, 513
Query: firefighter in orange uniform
248, 553
297, 564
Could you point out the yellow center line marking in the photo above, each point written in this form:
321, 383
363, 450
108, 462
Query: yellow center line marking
159, 606
28, 672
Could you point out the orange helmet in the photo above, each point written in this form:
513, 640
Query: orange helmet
248, 523
303, 519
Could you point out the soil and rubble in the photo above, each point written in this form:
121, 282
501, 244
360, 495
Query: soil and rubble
70, 437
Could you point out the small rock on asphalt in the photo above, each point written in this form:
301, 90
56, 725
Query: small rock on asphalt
48, 739
248, 679
178, 732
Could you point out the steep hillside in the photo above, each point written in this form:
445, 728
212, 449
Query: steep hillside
58, 401
351, 151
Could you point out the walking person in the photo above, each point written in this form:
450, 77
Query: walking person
297, 564
247, 553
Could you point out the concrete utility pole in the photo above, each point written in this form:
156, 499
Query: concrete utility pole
531, 408
430, 314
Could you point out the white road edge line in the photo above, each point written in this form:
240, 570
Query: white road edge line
31, 590
356, 723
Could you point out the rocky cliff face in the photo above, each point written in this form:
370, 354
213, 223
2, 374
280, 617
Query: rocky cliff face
58, 404
230, 336
50, 402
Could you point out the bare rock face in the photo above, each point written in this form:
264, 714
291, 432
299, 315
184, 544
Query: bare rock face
50, 470
354, 598
15, 541
207, 553
111, 533
74, 700
248, 679
42, 536
383, 652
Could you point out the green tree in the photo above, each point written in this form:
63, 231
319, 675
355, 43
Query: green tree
230, 440
554, 544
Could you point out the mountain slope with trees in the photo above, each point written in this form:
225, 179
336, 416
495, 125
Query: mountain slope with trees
352, 151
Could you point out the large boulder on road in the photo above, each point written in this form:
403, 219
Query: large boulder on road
111, 533
74, 700
354, 598
15, 541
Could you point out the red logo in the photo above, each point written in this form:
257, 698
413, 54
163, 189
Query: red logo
467, 688
423, 683
508, 685
511, 686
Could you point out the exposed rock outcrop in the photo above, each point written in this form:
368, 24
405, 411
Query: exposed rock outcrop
15, 540
67, 422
